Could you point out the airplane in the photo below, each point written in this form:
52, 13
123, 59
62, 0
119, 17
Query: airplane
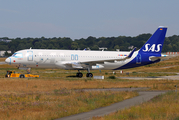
91, 60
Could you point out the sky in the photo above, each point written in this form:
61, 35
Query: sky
83, 18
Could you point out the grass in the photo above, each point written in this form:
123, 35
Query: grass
163, 107
45, 85
2, 59
55, 104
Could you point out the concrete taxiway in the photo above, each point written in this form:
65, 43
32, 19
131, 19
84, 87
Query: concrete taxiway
172, 77
143, 97
1, 63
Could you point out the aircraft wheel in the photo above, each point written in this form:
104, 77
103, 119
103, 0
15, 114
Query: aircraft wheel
79, 75
22, 76
89, 75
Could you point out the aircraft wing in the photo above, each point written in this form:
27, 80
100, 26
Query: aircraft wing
162, 58
86, 64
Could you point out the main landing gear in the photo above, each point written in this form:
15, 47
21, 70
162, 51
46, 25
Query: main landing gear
79, 74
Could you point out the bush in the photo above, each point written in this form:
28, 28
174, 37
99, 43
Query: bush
112, 77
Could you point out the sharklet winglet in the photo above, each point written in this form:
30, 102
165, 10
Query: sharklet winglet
131, 53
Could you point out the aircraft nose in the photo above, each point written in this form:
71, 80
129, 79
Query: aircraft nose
8, 60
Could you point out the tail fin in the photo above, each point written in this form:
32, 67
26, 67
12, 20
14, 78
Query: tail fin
155, 42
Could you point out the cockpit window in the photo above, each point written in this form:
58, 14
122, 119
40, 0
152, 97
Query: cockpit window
17, 55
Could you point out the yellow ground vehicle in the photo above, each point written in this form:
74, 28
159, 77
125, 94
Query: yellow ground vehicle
19, 75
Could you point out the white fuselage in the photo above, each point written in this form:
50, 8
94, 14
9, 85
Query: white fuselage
40, 58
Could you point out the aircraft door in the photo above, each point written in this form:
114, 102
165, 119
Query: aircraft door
30, 55
138, 59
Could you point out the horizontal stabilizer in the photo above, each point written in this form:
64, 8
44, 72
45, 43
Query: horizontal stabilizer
162, 58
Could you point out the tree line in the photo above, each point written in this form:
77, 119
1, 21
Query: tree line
171, 44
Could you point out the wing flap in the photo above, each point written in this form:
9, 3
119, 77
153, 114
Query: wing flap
75, 65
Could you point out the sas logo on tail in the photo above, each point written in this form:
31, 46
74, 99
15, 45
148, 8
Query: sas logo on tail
152, 48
